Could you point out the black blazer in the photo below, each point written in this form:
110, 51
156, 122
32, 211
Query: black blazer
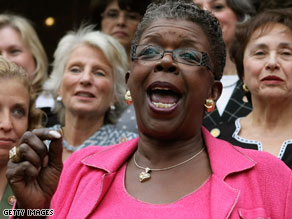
236, 107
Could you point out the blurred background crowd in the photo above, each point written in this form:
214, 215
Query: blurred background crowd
53, 18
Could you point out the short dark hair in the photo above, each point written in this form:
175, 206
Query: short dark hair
244, 32
273, 4
98, 8
187, 10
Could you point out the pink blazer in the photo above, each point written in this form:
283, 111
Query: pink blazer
249, 183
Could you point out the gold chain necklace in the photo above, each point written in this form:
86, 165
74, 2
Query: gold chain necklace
145, 175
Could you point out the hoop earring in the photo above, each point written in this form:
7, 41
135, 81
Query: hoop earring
245, 88
128, 98
209, 105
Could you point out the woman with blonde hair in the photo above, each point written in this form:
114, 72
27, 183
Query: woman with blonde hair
17, 115
21, 44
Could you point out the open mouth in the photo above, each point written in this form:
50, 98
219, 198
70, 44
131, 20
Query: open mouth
84, 94
163, 95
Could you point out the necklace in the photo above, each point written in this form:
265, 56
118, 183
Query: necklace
145, 175
70, 147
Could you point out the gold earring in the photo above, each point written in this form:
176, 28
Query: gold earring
245, 88
209, 105
128, 98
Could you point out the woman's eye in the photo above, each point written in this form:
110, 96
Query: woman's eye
191, 57
99, 73
15, 51
133, 16
75, 70
286, 53
259, 53
149, 52
18, 112
217, 7
112, 14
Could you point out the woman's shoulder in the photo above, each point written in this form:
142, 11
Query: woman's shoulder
265, 161
80, 155
118, 135
262, 163
230, 132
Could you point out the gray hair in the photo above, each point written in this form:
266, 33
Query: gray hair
31, 40
113, 51
187, 10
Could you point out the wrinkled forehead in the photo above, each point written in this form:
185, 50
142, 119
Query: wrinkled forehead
181, 31
267, 28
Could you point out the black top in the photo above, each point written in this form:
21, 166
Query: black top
229, 132
237, 106
49, 119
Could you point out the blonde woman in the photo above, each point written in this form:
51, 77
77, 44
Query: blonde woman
20, 44
17, 115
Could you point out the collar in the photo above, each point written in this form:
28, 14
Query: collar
225, 158
111, 158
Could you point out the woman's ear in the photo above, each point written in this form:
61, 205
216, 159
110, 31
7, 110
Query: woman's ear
243, 79
60, 91
216, 90
127, 76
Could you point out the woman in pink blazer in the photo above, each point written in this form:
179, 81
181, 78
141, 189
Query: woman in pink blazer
175, 169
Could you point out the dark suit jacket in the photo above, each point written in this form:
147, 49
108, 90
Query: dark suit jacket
235, 108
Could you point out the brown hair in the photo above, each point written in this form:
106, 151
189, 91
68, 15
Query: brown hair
98, 8
260, 22
9, 70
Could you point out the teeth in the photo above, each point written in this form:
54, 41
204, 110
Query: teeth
163, 105
160, 88
84, 95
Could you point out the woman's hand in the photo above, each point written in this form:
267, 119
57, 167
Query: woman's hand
35, 178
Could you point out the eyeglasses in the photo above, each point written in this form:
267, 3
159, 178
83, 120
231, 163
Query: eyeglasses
181, 55
114, 14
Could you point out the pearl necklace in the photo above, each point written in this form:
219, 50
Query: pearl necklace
145, 175
70, 147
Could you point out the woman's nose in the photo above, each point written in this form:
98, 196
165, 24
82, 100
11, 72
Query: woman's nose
85, 77
166, 64
272, 62
5, 122
121, 20
5, 55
